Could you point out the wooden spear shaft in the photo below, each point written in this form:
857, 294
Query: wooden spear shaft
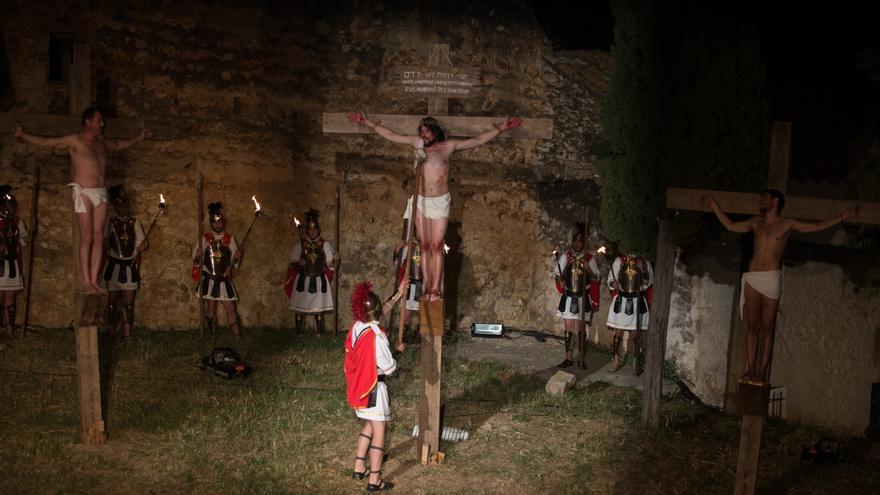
336, 269
33, 236
410, 244
199, 219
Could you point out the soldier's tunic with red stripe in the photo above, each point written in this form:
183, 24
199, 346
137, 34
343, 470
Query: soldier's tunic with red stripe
13, 238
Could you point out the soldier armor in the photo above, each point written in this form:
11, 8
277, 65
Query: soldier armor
218, 258
122, 235
9, 236
574, 276
313, 254
415, 266
630, 277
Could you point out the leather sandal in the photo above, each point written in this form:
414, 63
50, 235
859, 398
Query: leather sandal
379, 487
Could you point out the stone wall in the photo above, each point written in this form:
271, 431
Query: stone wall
243, 89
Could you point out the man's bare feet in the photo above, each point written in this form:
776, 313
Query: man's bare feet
90, 288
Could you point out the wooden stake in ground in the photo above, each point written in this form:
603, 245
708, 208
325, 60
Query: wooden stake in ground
29, 276
338, 265
199, 219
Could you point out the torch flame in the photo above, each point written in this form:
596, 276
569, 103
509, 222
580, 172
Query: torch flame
256, 203
161, 199
602, 250
296, 221
445, 248
555, 252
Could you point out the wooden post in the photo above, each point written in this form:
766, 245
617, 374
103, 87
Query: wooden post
754, 399
431, 332
438, 57
31, 247
80, 79
199, 218
656, 335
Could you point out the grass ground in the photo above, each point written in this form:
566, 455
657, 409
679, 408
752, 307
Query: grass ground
287, 429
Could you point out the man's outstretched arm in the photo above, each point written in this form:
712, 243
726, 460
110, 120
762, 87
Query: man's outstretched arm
738, 227
63, 142
488, 135
127, 143
377, 127
807, 227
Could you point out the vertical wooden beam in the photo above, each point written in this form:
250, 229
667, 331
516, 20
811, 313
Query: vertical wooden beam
80, 79
780, 156
431, 333
656, 333
200, 203
438, 57
754, 401
89, 308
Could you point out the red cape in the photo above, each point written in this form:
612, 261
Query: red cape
360, 367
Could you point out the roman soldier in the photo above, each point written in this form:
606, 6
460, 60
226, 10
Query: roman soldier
414, 295
13, 237
214, 257
577, 276
368, 361
312, 258
126, 240
630, 282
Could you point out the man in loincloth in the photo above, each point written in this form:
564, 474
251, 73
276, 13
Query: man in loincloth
761, 286
432, 205
88, 162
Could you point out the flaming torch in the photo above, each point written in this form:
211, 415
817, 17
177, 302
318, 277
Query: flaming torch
257, 214
159, 213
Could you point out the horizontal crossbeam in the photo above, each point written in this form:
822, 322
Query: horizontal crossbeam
60, 125
338, 123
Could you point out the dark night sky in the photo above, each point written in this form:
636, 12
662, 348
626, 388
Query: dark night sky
811, 55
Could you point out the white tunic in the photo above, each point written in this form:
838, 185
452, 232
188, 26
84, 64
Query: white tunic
569, 303
622, 310
385, 365
311, 302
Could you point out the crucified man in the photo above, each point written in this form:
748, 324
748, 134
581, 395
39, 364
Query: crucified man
762, 284
88, 163
433, 199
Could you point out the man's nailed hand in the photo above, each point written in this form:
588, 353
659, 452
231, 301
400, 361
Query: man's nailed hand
708, 201
849, 214
146, 134
357, 118
512, 123
18, 131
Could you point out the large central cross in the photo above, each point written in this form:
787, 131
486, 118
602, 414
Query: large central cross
753, 398
438, 80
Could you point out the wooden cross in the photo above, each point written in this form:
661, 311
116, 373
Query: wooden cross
753, 398
438, 80
88, 308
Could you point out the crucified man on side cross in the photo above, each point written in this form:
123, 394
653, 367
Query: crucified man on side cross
432, 204
88, 163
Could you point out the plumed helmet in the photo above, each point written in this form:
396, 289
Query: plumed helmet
6, 198
365, 304
578, 232
117, 195
312, 220
215, 213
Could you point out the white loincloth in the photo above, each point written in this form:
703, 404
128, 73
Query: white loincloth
767, 283
415, 294
431, 206
96, 195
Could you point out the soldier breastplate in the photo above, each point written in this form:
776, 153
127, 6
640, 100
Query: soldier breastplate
574, 276
415, 265
313, 253
123, 237
10, 234
218, 258
630, 276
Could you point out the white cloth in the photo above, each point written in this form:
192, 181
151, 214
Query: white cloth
431, 206
415, 292
96, 195
768, 283
16, 282
385, 365
622, 310
568, 303
304, 301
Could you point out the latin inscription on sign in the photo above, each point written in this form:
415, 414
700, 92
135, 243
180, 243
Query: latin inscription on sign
436, 81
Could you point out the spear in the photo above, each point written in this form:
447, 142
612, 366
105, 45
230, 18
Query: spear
33, 237
410, 241
199, 219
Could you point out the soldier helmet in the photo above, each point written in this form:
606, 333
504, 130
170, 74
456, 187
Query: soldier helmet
579, 232
117, 196
312, 220
215, 213
365, 304
6, 200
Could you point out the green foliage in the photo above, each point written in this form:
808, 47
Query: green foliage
685, 108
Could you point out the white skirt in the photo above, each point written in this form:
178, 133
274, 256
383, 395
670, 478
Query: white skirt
382, 410
625, 317
571, 309
11, 283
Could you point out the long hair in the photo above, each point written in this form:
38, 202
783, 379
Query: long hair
434, 126
358, 298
